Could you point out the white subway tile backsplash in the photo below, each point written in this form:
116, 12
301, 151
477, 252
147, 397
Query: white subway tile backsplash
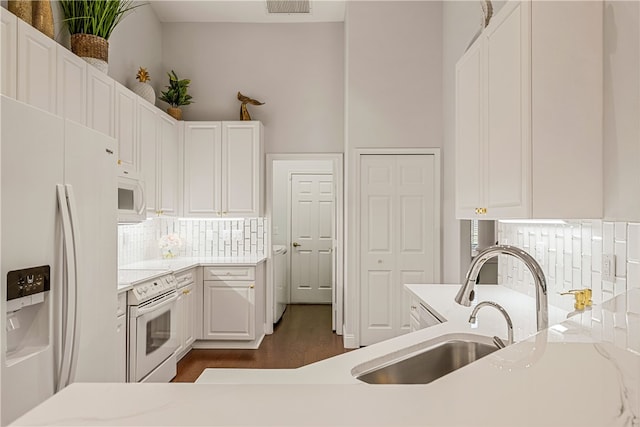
139, 242
607, 237
572, 257
620, 231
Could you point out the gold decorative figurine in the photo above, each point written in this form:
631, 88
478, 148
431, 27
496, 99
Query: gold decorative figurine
244, 113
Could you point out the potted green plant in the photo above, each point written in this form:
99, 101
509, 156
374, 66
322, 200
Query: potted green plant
90, 23
176, 95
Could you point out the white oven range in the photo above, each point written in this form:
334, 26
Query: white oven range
153, 336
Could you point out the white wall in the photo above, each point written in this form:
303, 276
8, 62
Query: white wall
297, 69
393, 96
137, 42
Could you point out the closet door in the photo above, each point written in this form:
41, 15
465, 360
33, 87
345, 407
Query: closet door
397, 239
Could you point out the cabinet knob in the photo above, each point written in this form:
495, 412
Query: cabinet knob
224, 212
252, 286
296, 244
119, 161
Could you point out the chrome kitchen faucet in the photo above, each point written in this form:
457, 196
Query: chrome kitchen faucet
466, 293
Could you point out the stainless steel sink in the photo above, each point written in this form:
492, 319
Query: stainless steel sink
428, 365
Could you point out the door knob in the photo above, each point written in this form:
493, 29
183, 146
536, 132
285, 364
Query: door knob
296, 244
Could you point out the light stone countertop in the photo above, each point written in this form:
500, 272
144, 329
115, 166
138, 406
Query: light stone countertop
579, 373
131, 274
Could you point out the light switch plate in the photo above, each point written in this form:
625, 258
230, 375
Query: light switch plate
609, 267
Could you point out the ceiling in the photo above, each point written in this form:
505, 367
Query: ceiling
248, 11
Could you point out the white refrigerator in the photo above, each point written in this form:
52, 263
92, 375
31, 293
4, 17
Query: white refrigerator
58, 211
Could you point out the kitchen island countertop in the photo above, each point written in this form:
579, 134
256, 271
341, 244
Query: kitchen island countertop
579, 373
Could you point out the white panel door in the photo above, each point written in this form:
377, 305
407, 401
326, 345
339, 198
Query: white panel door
148, 140
100, 101
202, 164
126, 114
72, 86
397, 239
240, 168
9, 56
168, 176
36, 68
312, 204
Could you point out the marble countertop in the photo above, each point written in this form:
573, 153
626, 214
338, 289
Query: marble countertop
581, 372
131, 274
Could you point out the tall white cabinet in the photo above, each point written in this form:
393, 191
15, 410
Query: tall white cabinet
222, 169
36, 75
9, 57
529, 114
159, 148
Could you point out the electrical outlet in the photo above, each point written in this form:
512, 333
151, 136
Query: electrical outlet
608, 267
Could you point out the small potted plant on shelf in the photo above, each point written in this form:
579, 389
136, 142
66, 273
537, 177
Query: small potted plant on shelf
90, 23
176, 95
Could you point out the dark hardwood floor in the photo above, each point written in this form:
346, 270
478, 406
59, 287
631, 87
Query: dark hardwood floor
302, 336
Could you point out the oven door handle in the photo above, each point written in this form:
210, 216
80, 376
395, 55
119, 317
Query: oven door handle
157, 305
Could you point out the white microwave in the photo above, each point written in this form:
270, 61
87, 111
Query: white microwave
131, 203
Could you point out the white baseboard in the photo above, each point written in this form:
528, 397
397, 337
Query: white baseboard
350, 340
232, 345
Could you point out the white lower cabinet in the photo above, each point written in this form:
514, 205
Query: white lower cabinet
186, 311
229, 310
121, 333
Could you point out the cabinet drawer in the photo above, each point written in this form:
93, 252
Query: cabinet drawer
229, 273
122, 304
185, 278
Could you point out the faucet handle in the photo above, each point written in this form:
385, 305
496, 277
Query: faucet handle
582, 296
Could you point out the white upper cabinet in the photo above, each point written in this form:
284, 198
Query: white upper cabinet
222, 169
9, 52
529, 114
126, 114
36, 75
148, 140
241, 168
159, 147
72, 86
168, 148
202, 169
100, 101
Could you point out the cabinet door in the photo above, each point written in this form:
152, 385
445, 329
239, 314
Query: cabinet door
9, 56
241, 168
229, 310
36, 68
470, 150
100, 101
121, 352
126, 111
180, 309
148, 140
72, 86
188, 315
508, 133
202, 169
168, 173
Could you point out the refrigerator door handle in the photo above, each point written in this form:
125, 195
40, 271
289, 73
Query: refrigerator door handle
67, 291
71, 202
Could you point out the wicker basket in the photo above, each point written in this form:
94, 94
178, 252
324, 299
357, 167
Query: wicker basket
90, 46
